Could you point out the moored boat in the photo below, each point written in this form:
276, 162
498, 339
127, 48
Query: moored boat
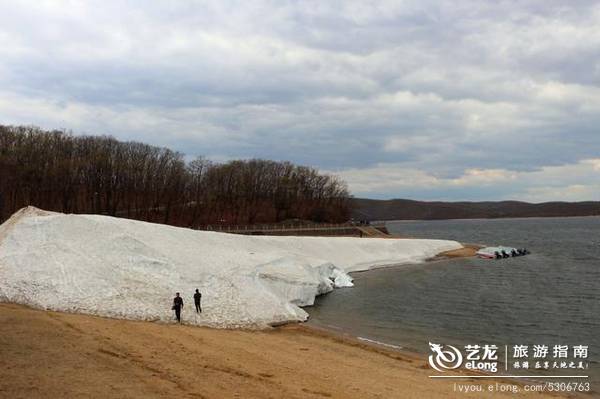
501, 252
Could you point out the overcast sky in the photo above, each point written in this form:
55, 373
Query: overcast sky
434, 100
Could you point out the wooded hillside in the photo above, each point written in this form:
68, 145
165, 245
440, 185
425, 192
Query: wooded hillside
59, 171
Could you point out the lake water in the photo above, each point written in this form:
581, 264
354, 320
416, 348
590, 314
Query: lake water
550, 297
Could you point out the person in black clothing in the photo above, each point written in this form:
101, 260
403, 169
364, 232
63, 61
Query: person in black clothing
197, 297
177, 305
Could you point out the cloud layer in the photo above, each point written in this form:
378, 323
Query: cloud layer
432, 100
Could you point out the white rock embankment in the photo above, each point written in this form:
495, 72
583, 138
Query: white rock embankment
130, 269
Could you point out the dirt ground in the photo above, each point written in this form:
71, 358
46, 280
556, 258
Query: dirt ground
57, 355
466, 251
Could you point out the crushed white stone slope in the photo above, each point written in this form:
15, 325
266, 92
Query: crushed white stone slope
129, 269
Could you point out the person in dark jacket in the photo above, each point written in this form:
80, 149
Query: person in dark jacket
197, 297
177, 306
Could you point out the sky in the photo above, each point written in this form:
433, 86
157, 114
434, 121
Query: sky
428, 100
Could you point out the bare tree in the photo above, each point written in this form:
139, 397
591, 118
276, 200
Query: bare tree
97, 174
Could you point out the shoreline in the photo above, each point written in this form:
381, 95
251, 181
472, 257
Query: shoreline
52, 354
467, 251
498, 218
412, 356
398, 352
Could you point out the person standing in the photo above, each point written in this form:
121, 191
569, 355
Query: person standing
177, 306
197, 297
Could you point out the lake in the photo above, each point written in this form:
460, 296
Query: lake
551, 296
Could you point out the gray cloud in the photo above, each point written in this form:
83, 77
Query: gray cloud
436, 87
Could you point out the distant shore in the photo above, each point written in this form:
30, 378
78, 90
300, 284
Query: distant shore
404, 209
489, 218
50, 354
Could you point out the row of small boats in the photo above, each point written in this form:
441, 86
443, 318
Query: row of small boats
501, 252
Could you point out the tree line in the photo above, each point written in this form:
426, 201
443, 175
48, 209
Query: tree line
58, 171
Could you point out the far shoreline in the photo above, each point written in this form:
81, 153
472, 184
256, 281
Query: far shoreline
498, 218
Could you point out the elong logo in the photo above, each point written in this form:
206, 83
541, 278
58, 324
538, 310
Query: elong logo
446, 359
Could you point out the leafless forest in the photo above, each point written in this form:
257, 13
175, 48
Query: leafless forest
58, 171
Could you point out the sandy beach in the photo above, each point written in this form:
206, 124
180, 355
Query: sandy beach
467, 250
59, 355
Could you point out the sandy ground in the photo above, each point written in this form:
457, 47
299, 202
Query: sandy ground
466, 251
57, 355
